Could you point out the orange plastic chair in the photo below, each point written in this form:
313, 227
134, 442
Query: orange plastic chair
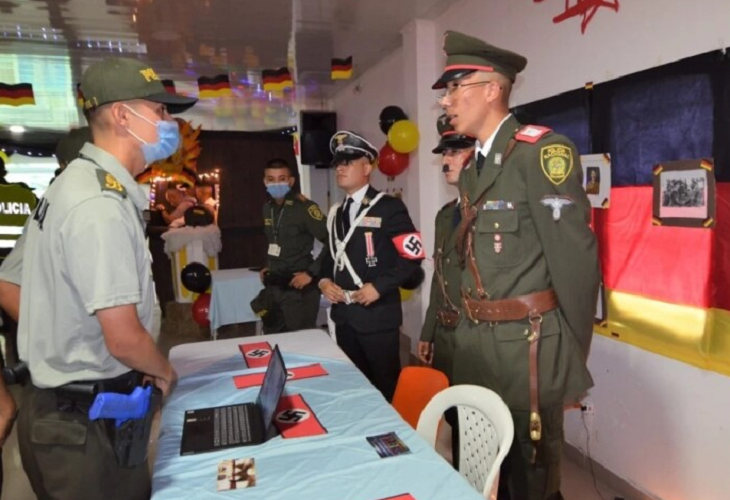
416, 386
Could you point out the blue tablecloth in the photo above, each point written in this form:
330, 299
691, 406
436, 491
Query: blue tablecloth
340, 465
233, 291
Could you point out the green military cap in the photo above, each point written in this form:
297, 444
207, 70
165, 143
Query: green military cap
122, 79
346, 146
68, 148
466, 54
449, 138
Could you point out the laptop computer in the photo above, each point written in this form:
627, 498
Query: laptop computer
213, 429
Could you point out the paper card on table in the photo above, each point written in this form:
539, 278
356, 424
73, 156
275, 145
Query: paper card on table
236, 474
388, 445
257, 354
300, 372
294, 418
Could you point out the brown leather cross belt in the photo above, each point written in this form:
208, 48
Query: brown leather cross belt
512, 309
532, 307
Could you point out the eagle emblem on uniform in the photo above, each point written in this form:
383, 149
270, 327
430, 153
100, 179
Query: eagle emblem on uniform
557, 203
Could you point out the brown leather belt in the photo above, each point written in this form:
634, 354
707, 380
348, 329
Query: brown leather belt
512, 309
530, 307
447, 318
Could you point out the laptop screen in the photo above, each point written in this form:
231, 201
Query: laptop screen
272, 388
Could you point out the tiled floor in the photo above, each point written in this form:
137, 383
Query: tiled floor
577, 484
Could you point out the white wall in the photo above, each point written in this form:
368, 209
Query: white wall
660, 424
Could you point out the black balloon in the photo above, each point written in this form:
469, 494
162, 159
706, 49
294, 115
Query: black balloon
414, 280
389, 115
195, 277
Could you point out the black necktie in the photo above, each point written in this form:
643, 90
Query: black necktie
480, 162
457, 215
346, 216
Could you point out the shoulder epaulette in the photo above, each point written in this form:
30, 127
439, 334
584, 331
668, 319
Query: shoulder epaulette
532, 133
109, 183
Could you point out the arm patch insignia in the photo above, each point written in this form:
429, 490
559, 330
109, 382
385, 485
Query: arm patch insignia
109, 183
409, 246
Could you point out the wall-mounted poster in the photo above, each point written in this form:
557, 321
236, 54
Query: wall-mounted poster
597, 179
684, 194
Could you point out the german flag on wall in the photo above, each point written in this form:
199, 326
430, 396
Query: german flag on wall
170, 86
342, 69
16, 95
212, 88
277, 79
79, 95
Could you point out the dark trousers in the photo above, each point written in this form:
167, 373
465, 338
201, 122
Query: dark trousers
293, 309
519, 479
68, 457
376, 354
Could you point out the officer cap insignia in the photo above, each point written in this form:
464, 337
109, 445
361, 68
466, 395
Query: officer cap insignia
109, 183
315, 213
556, 161
557, 203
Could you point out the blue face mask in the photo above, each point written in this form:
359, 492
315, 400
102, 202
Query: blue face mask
168, 139
278, 190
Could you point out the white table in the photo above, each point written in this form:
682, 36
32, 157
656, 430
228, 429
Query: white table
340, 465
230, 302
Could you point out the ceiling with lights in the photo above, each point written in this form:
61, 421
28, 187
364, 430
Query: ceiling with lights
49, 43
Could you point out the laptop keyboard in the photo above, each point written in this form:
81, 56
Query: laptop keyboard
231, 426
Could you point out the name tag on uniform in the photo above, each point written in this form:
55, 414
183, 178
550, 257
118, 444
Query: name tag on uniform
498, 205
274, 249
370, 222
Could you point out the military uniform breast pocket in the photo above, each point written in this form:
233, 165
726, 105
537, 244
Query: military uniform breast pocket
497, 239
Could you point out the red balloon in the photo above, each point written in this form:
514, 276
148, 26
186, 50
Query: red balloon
391, 162
201, 308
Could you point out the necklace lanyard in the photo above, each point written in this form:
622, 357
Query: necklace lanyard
275, 227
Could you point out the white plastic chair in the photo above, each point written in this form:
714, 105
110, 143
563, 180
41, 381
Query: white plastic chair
485, 432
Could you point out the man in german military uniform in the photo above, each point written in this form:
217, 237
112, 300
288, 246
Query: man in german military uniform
373, 249
86, 293
436, 346
531, 274
291, 223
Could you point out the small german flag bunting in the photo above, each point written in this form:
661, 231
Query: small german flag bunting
169, 86
79, 96
277, 79
215, 87
16, 95
342, 69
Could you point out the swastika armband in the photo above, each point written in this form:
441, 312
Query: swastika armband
410, 246
109, 183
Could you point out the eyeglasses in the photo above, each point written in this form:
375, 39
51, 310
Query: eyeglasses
451, 89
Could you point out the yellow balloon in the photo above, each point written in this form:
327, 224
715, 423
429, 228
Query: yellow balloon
403, 136
405, 294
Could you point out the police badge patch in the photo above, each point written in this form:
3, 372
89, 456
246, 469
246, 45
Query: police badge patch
556, 161
315, 212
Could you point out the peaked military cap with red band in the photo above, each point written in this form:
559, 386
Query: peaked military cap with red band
449, 138
466, 54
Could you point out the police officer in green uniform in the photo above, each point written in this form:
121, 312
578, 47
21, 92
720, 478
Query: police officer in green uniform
87, 295
291, 223
17, 201
531, 274
436, 346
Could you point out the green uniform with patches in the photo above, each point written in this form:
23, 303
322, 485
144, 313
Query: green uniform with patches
446, 258
522, 246
292, 227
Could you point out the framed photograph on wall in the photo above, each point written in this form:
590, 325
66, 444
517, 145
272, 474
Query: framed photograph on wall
597, 179
684, 194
